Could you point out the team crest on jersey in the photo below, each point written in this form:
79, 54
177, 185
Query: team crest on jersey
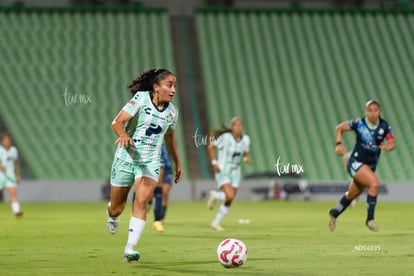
170, 118
381, 131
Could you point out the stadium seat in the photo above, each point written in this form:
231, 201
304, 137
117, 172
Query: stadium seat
92, 54
294, 75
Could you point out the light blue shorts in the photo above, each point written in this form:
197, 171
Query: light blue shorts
6, 181
233, 177
123, 174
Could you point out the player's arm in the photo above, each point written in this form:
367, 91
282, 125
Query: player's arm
390, 145
340, 129
171, 145
17, 171
118, 127
3, 168
212, 154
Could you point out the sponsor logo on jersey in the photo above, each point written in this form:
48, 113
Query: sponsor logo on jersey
153, 129
148, 110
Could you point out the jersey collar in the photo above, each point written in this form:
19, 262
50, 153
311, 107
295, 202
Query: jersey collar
162, 109
371, 126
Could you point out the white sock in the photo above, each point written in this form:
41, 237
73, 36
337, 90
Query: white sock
222, 212
15, 207
220, 196
136, 226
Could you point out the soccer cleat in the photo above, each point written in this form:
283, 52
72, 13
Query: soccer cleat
332, 220
157, 226
112, 223
211, 200
372, 225
216, 227
131, 255
19, 214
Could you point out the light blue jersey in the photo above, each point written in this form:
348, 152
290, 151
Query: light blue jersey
146, 129
7, 159
230, 154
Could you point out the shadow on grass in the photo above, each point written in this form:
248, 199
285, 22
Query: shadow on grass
187, 267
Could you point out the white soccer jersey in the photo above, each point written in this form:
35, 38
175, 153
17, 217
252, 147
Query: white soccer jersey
7, 158
146, 129
230, 151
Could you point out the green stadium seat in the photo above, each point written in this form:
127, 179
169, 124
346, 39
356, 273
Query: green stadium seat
90, 53
293, 75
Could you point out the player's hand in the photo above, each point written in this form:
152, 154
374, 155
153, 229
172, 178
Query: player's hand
340, 150
247, 161
384, 147
178, 173
123, 141
216, 168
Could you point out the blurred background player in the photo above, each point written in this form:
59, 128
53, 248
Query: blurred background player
371, 131
141, 126
232, 145
162, 190
10, 172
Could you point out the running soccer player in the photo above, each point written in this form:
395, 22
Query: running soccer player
232, 145
371, 131
141, 126
10, 172
162, 190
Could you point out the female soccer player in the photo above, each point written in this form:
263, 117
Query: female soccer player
371, 132
232, 145
10, 172
141, 126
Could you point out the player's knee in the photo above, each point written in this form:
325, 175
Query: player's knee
375, 185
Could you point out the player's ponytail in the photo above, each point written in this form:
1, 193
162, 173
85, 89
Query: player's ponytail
146, 80
216, 133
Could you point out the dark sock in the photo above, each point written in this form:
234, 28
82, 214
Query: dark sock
158, 203
342, 205
371, 202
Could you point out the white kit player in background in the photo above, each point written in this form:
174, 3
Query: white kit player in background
233, 146
10, 172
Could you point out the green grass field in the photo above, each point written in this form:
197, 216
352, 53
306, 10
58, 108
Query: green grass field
283, 238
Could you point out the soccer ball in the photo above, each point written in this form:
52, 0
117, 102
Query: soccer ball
232, 253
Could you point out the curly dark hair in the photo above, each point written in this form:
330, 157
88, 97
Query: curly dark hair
145, 80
